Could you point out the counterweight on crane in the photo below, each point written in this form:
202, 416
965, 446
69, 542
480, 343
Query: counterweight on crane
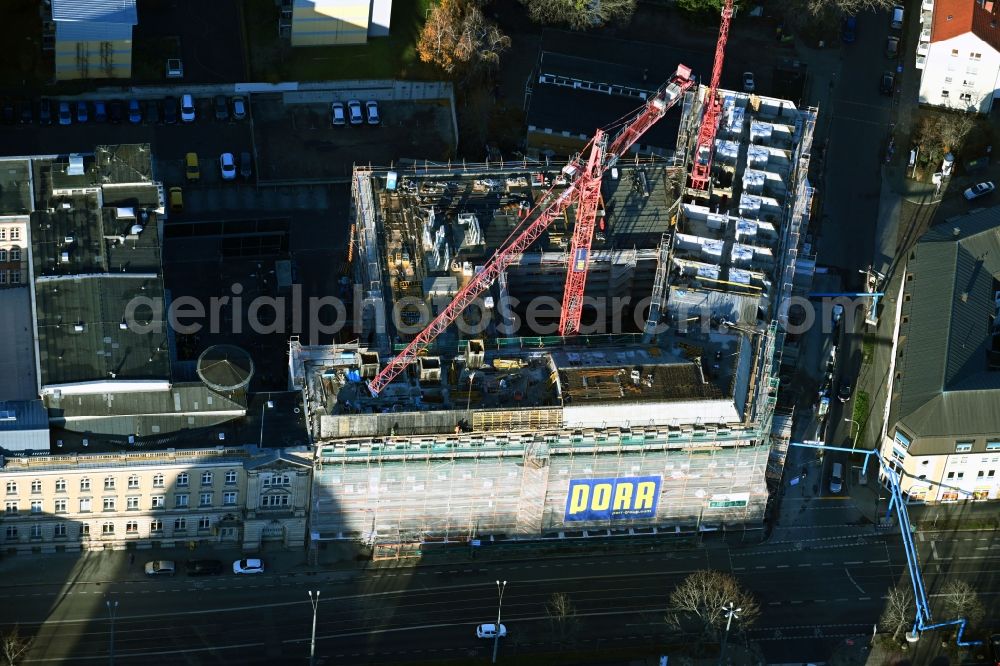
552, 205
702, 167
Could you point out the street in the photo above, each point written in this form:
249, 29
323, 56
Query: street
816, 591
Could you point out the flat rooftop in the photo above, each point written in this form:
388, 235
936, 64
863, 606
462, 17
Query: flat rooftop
15, 186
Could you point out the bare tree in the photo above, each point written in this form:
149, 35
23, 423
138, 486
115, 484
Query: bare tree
817, 7
898, 613
580, 14
457, 36
943, 132
13, 645
699, 600
961, 600
562, 616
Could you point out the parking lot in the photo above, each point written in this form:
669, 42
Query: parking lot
298, 142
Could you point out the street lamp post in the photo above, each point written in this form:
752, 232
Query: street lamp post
112, 607
496, 637
854, 437
730, 614
314, 600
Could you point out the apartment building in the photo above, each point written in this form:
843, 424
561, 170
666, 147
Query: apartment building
111, 501
93, 38
13, 251
944, 425
959, 53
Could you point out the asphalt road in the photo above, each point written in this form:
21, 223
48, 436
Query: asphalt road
859, 124
815, 593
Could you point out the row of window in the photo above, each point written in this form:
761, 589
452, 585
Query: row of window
13, 532
13, 254
964, 97
961, 445
10, 277
182, 501
110, 483
972, 55
11, 233
981, 474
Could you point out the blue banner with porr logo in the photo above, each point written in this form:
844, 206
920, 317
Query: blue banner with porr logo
623, 498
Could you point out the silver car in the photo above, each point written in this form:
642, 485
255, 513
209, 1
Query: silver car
160, 568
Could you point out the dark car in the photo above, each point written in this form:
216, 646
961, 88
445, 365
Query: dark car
100, 112
170, 110
134, 111
246, 165
844, 394
116, 111
891, 47
887, 83
153, 114
849, 29
203, 567
995, 649
7, 112
45, 111
26, 112
221, 105
82, 111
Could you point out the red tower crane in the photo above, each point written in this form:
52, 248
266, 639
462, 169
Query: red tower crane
551, 206
702, 167
589, 194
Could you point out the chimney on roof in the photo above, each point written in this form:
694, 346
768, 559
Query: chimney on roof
988, 6
956, 232
964, 297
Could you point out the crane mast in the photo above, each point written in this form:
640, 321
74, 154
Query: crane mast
552, 206
702, 167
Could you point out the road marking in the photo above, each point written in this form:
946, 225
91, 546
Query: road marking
853, 562
827, 564
782, 566
805, 565
864, 598
851, 578
774, 603
841, 599
797, 601
878, 561
760, 566
739, 568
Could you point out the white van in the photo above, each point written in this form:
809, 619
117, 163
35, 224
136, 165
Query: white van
896, 18
837, 478
187, 109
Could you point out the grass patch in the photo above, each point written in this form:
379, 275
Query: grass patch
860, 412
868, 347
392, 57
149, 58
21, 34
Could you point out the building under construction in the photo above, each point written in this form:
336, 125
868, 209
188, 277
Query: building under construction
656, 416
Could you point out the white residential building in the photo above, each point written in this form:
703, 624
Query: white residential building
959, 53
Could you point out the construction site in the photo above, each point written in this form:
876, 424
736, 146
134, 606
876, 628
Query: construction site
478, 404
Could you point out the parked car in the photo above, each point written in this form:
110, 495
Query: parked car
995, 649
891, 47
44, 111
25, 112
887, 83
221, 108
849, 29
371, 107
246, 165
176, 200
100, 112
979, 190
170, 110
65, 114
844, 394
160, 568
187, 109
490, 631
239, 108
7, 112
153, 114
82, 112
116, 111
337, 116
837, 478
134, 111
192, 171
203, 567
896, 17
749, 85
227, 166
354, 112
248, 567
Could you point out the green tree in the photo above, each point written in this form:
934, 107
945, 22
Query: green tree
580, 14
